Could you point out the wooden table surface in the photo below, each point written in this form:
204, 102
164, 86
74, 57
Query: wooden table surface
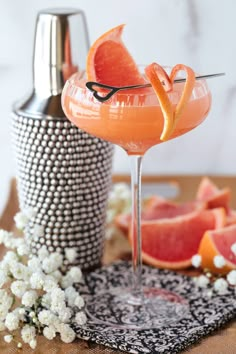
221, 342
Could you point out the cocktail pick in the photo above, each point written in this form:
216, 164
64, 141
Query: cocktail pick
112, 90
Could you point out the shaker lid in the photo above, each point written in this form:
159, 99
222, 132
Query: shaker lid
60, 49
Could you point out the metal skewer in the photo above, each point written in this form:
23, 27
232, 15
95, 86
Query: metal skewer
93, 86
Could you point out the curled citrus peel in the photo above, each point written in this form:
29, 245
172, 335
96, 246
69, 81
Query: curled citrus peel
159, 80
162, 84
188, 88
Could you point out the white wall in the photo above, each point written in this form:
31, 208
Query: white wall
200, 33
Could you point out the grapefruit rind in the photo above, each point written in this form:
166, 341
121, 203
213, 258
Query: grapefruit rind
152, 74
208, 250
187, 91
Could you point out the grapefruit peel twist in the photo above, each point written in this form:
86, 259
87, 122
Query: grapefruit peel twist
162, 84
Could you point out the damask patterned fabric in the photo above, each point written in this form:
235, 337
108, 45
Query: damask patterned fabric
202, 315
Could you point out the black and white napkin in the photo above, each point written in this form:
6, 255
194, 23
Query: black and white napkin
205, 313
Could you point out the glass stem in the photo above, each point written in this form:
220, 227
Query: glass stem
136, 172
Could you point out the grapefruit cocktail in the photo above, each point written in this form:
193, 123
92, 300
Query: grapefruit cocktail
136, 120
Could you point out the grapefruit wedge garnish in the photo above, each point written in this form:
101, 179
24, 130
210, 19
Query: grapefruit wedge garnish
109, 61
218, 242
171, 243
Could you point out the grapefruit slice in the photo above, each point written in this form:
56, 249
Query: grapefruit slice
171, 243
159, 208
218, 242
110, 63
212, 195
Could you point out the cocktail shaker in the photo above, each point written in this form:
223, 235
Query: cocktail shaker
62, 172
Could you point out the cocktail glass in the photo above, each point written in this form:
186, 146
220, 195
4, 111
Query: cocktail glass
134, 121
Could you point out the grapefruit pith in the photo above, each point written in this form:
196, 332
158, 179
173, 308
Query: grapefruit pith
218, 242
171, 243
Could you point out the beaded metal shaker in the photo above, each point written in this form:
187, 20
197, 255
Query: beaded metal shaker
62, 172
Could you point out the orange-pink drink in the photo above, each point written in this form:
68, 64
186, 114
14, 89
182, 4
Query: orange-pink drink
132, 120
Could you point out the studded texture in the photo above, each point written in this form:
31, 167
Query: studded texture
65, 175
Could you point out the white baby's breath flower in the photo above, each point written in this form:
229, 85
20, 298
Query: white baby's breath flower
47, 318
233, 248
33, 344
49, 332
76, 274
29, 298
220, 285
196, 260
38, 231
37, 280
67, 333
66, 281
57, 300
28, 333
34, 264
12, 321
21, 220
219, 261
50, 283
65, 315
52, 263
70, 254
202, 281
18, 288
80, 318
110, 215
3, 312
57, 275
71, 295
3, 278
46, 300
23, 250
30, 212
8, 338
19, 271
10, 256
4, 236
79, 302
43, 253
231, 277
6, 302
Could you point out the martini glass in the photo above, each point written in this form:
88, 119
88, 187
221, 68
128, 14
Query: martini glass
133, 120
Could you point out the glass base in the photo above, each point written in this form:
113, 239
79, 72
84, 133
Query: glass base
120, 308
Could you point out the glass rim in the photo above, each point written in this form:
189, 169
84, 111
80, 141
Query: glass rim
76, 85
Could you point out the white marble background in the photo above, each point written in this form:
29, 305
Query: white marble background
200, 33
